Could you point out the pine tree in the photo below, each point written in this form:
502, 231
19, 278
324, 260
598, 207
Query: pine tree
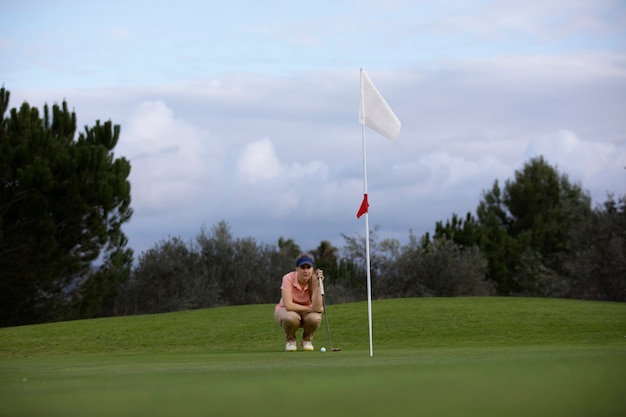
62, 204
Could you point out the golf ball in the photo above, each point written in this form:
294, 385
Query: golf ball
323, 349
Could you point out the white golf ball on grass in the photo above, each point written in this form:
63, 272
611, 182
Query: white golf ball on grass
323, 349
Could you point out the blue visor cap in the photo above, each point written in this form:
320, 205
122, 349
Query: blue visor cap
304, 260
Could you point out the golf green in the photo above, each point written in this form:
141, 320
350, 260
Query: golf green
432, 357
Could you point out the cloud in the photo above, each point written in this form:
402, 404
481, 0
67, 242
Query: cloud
259, 162
282, 156
170, 158
599, 167
274, 187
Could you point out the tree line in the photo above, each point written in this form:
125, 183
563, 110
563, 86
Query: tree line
63, 254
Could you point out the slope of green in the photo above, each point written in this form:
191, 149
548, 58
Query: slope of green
433, 356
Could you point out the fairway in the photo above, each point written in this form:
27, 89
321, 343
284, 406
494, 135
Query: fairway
432, 357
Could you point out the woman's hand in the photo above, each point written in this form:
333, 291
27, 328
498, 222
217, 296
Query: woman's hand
320, 274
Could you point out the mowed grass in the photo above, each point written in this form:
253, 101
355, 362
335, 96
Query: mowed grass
432, 357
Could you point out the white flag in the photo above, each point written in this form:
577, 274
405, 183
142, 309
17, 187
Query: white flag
374, 111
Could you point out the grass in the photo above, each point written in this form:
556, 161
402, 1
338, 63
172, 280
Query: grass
432, 357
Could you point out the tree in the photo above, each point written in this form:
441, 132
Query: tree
168, 277
595, 267
440, 268
531, 218
523, 228
62, 204
465, 232
326, 258
495, 242
243, 269
288, 248
384, 255
214, 270
543, 205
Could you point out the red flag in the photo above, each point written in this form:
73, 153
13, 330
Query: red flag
364, 206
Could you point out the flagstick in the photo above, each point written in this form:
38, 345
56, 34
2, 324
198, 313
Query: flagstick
367, 245
380, 118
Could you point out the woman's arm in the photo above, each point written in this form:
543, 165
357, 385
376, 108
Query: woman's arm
291, 306
316, 293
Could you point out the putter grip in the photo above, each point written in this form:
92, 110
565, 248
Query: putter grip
321, 282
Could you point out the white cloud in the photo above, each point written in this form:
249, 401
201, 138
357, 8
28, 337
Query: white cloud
274, 187
171, 160
598, 166
259, 162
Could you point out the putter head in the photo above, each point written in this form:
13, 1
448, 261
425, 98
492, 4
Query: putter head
336, 349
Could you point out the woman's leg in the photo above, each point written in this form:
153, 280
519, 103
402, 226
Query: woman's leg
289, 321
311, 322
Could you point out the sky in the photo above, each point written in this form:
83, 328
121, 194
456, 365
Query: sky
247, 112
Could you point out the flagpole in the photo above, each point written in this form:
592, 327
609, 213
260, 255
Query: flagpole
367, 246
380, 118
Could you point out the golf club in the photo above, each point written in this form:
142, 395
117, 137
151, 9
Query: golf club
330, 342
